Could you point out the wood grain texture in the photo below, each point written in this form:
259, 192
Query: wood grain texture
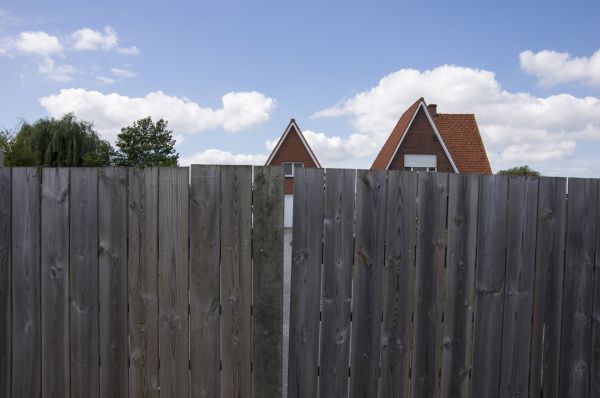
401, 235
595, 357
463, 194
142, 280
338, 254
518, 299
55, 282
83, 279
578, 292
490, 278
25, 273
548, 284
173, 224
267, 277
5, 281
429, 283
112, 265
205, 248
236, 280
305, 291
369, 260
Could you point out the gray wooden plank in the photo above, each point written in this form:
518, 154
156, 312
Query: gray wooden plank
338, 255
205, 248
236, 280
173, 223
83, 278
5, 280
459, 300
305, 290
267, 279
369, 260
25, 273
595, 349
575, 346
55, 282
112, 265
490, 277
142, 280
518, 300
432, 194
401, 236
548, 284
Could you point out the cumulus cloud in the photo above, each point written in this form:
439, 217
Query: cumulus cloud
89, 39
122, 73
38, 43
133, 50
552, 67
217, 156
540, 152
105, 79
110, 112
59, 73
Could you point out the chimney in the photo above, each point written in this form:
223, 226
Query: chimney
432, 108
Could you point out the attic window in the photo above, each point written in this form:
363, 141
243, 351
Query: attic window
420, 162
290, 167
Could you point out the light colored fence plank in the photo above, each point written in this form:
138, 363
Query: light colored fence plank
83, 280
267, 277
463, 194
205, 248
112, 265
25, 272
338, 255
429, 283
5, 281
173, 223
236, 280
548, 284
578, 292
595, 345
55, 282
518, 300
305, 291
142, 272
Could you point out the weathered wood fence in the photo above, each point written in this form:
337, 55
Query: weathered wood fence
437, 285
141, 282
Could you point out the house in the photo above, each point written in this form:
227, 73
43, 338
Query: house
425, 140
292, 152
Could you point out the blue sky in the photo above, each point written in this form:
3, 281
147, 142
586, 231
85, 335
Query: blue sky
228, 75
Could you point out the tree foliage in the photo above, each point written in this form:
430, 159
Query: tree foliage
520, 171
146, 144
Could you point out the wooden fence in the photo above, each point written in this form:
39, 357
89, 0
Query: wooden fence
437, 285
135, 282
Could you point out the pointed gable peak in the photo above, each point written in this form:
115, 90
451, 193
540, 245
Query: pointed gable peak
292, 129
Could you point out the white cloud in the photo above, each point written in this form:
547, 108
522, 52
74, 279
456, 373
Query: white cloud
540, 152
38, 43
216, 156
133, 50
552, 67
122, 73
89, 39
105, 80
59, 73
110, 112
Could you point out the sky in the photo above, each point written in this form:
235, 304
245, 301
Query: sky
228, 75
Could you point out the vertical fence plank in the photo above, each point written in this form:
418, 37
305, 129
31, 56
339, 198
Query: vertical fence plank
518, 300
205, 229
55, 282
142, 273
401, 216
5, 291
369, 262
338, 254
463, 193
578, 297
307, 235
173, 222
430, 257
236, 280
267, 266
548, 284
489, 285
112, 264
595, 357
83, 280
25, 273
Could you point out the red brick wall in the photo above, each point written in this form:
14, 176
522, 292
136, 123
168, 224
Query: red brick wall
292, 150
421, 140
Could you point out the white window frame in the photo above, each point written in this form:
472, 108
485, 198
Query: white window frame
415, 162
293, 167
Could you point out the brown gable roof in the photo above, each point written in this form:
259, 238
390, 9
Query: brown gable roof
292, 128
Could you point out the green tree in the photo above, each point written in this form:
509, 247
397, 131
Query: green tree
520, 171
146, 144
